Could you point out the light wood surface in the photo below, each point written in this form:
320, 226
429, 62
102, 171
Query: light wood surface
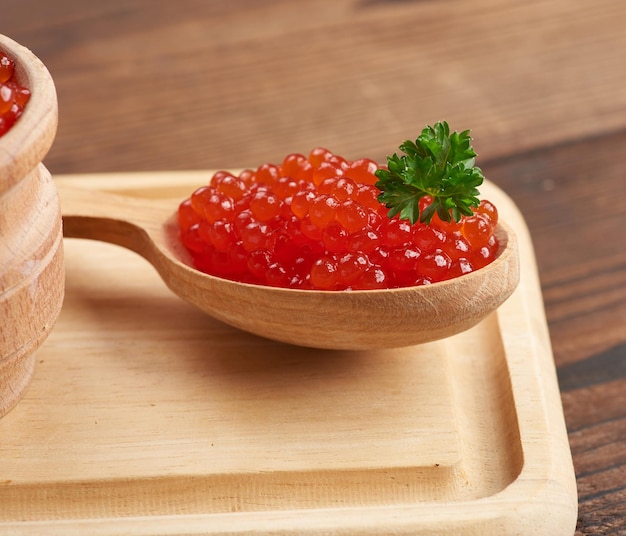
31, 247
335, 320
146, 416
158, 85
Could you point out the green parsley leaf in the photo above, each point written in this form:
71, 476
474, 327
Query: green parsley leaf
439, 165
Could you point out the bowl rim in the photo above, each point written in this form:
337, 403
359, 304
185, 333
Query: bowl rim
28, 141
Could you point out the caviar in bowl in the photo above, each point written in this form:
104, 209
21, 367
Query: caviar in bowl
323, 262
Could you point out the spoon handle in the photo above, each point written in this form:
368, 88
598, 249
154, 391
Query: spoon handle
130, 222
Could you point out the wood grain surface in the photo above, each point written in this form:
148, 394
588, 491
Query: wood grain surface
159, 85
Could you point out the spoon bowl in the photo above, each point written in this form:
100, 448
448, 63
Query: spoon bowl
340, 320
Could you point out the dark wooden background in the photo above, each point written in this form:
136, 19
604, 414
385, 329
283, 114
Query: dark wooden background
205, 84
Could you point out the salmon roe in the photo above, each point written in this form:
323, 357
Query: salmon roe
13, 96
315, 223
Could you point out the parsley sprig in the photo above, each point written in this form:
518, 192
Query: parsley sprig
439, 165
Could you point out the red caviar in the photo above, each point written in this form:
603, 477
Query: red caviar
315, 223
13, 96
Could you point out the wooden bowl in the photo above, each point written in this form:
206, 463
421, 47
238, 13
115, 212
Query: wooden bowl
31, 246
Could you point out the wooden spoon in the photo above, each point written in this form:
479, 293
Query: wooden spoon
322, 319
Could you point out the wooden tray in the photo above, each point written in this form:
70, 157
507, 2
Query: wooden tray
147, 417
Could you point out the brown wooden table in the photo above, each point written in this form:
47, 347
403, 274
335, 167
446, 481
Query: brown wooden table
160, 85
